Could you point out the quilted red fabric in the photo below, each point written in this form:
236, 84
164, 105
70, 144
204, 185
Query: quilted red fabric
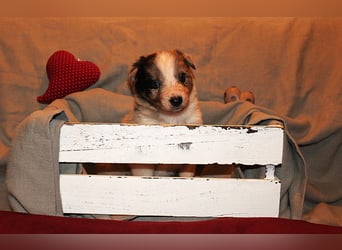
67, 75
19, 223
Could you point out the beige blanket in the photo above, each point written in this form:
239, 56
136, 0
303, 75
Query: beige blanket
33, 169
293, 65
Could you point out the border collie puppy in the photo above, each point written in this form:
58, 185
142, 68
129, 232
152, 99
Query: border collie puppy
164, 91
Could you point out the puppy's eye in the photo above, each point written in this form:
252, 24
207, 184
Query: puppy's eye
182, 77
154, 84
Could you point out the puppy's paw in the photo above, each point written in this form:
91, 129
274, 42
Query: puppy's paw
247, 96
142, 169
187, 171
232, 94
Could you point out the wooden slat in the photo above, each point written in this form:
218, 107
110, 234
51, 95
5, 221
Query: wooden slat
117, 143
161, 196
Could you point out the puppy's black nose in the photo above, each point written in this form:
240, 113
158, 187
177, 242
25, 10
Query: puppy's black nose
176, 101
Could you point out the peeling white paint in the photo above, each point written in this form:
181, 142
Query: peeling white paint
117, 143
161, 196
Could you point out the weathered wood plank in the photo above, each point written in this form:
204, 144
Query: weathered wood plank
162, 196
167, 196
117, 143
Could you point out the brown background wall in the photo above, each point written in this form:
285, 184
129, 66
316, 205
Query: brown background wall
155, 8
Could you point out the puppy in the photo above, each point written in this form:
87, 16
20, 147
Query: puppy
164, 91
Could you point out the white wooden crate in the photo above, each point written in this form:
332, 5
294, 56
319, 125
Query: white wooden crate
168, 196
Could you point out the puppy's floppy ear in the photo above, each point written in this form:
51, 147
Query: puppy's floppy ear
132, 75
188, 61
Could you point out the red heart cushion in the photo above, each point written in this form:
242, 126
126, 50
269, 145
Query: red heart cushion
67, 75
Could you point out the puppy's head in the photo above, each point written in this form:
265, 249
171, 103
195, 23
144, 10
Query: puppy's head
163, 81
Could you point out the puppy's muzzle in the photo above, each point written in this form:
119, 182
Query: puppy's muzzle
176, 102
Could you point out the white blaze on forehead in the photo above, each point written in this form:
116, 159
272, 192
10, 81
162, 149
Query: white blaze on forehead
165, 62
